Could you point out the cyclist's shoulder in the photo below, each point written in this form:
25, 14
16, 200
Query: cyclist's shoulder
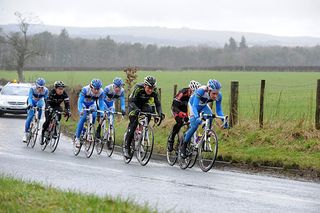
201, 91
108, 88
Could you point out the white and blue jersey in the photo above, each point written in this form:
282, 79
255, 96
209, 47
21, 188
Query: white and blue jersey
110, 95
35, 96
199, 101
87, 98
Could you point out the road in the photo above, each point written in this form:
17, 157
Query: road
159, 185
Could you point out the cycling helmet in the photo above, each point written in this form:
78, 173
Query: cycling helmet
118, 82
59, 84
194, 85
150, 81
96, 83
213, 84
40, 82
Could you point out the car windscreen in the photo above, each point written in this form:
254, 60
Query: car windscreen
16, 90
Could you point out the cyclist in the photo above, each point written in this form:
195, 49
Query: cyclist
197, 104
88, 97
143, 98
37, 94
111, 93
56, 96
179, 109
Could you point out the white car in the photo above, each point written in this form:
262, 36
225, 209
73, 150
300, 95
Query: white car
13, 98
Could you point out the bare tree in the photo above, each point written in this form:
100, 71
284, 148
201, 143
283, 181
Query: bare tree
22, 45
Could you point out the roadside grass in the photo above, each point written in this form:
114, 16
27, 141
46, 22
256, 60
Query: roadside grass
20, 196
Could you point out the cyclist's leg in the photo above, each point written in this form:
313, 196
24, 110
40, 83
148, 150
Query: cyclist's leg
94, 114
188, 135
45, 125
176, 128
80, 124
40, 104
131, 128
29, 118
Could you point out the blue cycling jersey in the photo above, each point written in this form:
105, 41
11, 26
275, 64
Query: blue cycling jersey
110, 95
199, 100
35, 96
87, 98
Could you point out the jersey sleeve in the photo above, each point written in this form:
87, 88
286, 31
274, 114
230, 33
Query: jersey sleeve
218, 105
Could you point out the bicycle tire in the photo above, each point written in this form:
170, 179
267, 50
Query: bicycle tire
144, 159
113, 142
212, 158
172, 156
91, 142
127, 160
53, 146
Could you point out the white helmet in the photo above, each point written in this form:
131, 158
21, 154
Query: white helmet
194, 85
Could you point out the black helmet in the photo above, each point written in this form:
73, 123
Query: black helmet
59, 84
150, 81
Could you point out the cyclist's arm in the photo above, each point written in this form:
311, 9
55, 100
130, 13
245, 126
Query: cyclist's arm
218, 105
122, 102
80, 101
157, 103
176, 103
30, 96
101, 102
48, 100
66, 101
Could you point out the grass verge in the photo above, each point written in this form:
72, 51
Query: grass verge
20, 196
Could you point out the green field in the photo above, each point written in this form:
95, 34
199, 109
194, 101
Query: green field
288, 139
289, 95
20, 196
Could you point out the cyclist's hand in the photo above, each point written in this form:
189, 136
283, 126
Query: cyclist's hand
92, 110
182, 114
82, 113
67, 113
162, 116
123, 112
29, 106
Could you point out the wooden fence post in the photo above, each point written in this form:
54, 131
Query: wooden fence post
317, 118
175, 90
234, 103
263, 85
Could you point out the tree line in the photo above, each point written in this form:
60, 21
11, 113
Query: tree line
63, 52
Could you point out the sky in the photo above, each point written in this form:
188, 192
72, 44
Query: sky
276, 17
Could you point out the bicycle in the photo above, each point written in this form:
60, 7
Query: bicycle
202, 144
34, 128
109, 135
143, 139
87, 137
52, 134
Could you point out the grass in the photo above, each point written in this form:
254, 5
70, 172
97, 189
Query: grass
19, 196
288, 138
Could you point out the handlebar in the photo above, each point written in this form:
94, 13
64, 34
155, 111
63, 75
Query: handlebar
153, 115
58, 112
224, 118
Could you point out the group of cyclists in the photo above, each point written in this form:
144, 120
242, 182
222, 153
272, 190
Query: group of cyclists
187, 106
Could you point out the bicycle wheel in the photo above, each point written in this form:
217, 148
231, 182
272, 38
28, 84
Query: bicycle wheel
30, 136
194, 153
127, 160
111, 141
184, 163
90, 141
100, 142
55, 137
34, 133
145, 146
76, 150
172, 156
208, 150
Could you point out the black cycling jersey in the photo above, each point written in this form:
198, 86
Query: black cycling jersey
139, 98
54, 100
180, 101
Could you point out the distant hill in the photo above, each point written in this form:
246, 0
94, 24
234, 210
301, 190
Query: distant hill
171, 36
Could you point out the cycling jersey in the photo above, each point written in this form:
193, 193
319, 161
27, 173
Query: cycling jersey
87, 98
110, 95
35, 96
180, 101
54, 100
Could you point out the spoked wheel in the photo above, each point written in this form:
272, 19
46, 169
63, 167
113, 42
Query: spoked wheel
145, 146
89, 141
194, 153
127, 160
55, 138
76, 150
111, 141
184, 163
208, 150
100, 142
33, 134
172, 156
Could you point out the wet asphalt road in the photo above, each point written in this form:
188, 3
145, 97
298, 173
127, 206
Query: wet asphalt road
161, 186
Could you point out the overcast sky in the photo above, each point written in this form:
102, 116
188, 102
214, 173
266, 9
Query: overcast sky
277, 17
